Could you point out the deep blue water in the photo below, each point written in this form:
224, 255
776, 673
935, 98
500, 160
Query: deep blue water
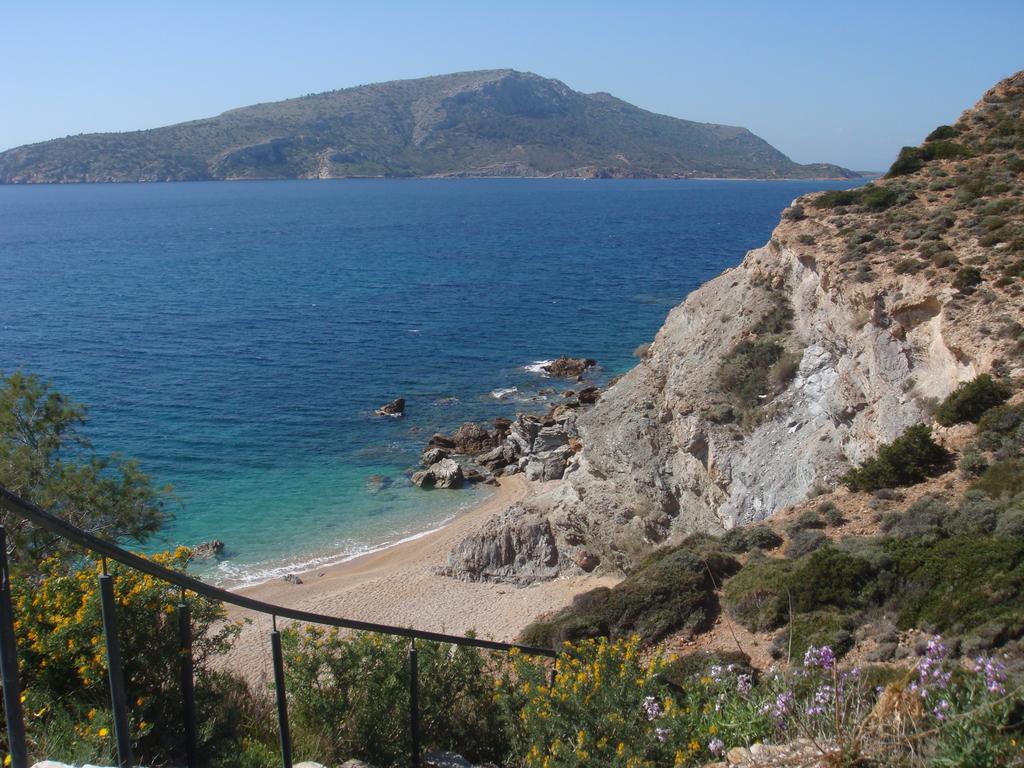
235, 337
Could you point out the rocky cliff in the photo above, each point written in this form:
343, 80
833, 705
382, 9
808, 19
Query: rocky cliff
767, 383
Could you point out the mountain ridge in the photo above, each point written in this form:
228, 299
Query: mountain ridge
468, 124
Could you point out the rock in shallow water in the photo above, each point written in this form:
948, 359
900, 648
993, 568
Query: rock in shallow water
394, 409
569, 367
208, 549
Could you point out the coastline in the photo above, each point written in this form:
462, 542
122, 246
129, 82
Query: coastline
398, 585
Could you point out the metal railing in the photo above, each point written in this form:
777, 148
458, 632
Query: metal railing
17, 745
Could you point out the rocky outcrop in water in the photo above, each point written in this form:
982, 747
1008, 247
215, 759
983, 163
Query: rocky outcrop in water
208, 549
394, 409
569, 367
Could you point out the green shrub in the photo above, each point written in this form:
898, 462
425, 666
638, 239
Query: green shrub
816, 628
942, 132
672, 590
1011, 520
910, 159
967, 279
909, 459
810, 518
754, 371
744, 538
832, 515
761, 594
837, 198
973, 463
923, 519
690, 667
1003, 478
803, 542
879, 198
957, 584
794, 213
976, 515
806, 239
349, 697
971, 400
944, 150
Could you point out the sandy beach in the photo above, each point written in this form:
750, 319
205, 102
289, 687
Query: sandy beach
398, 586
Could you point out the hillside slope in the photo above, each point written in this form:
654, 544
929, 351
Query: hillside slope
865, 308
487, 123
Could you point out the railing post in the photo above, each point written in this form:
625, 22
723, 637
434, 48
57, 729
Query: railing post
115, 672
188, 692
282, 700
9, 665
414, 703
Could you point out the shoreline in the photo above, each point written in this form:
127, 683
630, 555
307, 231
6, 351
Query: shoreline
398, 585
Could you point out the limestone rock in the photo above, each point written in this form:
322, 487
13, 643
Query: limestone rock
516, 546
432, 455
445, 473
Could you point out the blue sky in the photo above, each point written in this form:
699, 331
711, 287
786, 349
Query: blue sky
844, 82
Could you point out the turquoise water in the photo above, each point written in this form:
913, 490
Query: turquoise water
236, 337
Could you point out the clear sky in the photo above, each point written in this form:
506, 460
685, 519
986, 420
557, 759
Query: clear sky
837, 81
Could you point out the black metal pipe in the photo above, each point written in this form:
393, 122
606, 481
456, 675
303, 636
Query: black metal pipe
115, 673
282, 699
188, 691
28, 511
9, 665
414, 704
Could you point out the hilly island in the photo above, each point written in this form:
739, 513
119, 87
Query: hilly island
468, 124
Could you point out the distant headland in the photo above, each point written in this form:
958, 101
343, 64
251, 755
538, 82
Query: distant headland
493, 123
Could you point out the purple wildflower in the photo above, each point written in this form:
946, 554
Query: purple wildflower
652, 708
662, 734
820, 657
994, 671
716, 746
744, 684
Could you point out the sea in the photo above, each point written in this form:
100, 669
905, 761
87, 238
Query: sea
236, 337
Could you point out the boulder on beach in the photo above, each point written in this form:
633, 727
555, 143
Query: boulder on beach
569, 367
589, 395
394, 409
446, 473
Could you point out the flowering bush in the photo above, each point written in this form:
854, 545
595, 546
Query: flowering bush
607, 706
60, 639
350, 697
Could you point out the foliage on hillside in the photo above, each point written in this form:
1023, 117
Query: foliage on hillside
672, 589
950, 211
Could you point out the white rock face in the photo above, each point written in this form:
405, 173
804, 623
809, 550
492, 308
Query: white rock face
875, 356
